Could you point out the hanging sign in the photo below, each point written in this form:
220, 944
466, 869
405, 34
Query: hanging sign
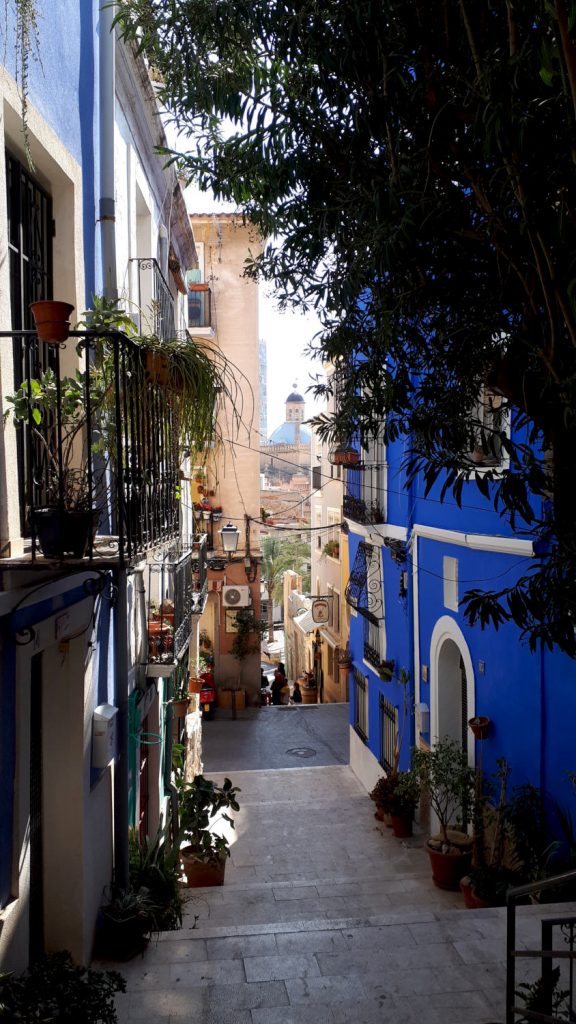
321, 609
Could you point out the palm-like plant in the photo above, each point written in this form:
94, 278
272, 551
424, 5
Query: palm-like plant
277, 557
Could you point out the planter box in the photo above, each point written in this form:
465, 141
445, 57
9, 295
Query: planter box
310, 695
225, 698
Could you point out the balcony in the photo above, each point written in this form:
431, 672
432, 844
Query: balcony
96, 448
155, 298
171, 597
360, 511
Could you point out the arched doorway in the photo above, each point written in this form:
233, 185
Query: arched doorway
452, 689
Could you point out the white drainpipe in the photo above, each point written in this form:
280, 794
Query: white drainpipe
107, 209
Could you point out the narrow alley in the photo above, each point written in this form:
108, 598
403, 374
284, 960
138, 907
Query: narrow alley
324, 917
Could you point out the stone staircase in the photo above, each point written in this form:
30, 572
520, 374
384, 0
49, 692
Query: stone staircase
324, 918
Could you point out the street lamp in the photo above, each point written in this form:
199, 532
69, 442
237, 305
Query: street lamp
230, 535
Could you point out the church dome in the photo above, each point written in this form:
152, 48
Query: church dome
286, 434
295, 397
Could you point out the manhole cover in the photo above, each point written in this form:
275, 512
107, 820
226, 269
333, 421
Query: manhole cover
301, 751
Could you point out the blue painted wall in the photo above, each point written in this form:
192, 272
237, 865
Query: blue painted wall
63, 86
529, 697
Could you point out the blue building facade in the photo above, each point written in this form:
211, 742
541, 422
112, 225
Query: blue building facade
412, 558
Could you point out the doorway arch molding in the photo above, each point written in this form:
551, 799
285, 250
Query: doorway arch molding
447, 628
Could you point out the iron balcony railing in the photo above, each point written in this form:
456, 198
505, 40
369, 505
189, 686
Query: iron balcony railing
554, 931
371, 655
98, 440
155, 300
170, 601
360, 511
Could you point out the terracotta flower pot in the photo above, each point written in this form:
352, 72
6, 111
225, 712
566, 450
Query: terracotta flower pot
402, 825
198, 873
449, 868
52, 320
480, 726
180, 708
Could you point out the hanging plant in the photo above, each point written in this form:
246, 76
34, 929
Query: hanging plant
26, 39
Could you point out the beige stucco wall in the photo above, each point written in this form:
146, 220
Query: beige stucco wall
224, 242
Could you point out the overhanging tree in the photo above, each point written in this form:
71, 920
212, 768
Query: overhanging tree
417, 159
279, 555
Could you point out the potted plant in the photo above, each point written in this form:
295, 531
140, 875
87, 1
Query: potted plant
127, 920
216, 513
52, 320
386, 670
382, 795
154, 865
403, 802
448, 779
331, 549
202, 804
55, 412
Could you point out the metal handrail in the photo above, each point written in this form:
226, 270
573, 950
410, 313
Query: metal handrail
546, 953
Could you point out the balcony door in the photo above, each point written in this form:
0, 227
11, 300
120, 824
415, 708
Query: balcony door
30, 232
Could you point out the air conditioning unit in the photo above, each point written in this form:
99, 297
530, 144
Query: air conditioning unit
235, 597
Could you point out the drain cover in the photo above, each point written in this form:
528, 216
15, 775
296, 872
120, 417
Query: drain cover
301, 751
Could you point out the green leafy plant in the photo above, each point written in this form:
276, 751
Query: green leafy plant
543, 996
247, 638
54, 990
448, 779
406, 794
35, 402
278, 556
154, 867
202, 803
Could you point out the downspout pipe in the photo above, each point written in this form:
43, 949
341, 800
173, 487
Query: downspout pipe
107, 203
121, 767
107, 219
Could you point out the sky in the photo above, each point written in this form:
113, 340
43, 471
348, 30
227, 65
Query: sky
286, 335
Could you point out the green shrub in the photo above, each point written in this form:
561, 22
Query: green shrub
54, 990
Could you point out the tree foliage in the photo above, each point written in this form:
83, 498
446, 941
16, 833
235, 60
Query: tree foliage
279, 555
414, 164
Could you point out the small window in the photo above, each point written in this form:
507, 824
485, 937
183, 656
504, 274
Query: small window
388, 733
490, 422
360, 704
450, 571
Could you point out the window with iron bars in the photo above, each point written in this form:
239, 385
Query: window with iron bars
360, 704
388, 733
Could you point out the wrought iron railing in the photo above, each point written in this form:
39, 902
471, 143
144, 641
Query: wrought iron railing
371, 655
170, 598
542, 1008
155, 300
361, 511
101, 451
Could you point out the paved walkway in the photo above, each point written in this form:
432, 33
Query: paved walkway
324, 918
277, 737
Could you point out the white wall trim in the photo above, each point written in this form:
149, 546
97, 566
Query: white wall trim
447, 629
476, 541
416, 618
377, 533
